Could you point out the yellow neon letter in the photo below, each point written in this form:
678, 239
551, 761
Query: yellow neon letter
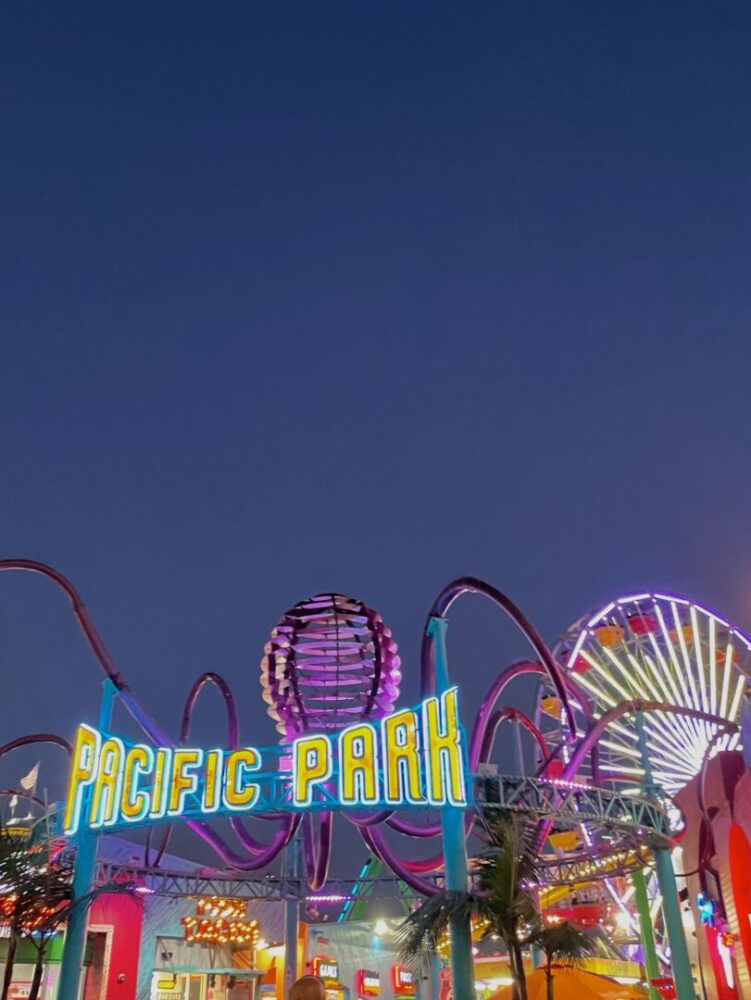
162, 770
105, 799
182, 784
213, 781
401, 758
311, 765
358, 766
239, 793
139, 760
442, 750
85, 759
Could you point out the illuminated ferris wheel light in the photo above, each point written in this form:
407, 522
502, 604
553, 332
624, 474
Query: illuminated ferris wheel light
665, 648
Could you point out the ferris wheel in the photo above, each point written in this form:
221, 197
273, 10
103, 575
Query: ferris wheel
662, 648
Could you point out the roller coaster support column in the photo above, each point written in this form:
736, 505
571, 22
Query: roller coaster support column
671, 911
646, 932
454, 844
83, 877
291, 867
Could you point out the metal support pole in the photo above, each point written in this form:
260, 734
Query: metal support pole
454, 843
83, 877
671, 911
291, 868
519, 749
435, 978
651, 964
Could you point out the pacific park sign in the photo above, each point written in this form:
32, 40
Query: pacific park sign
414, 757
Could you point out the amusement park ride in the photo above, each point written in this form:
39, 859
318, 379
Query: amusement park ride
632, 703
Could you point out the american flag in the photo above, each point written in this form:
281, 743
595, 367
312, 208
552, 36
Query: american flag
29, 781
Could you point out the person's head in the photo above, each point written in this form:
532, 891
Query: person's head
307, 988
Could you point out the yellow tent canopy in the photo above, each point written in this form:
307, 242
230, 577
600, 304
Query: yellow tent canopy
574, 984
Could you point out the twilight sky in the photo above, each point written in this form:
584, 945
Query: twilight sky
305, 296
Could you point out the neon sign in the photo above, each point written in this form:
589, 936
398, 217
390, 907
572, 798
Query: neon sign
706, 909
367, 983
403, 981
413, 757
327, 969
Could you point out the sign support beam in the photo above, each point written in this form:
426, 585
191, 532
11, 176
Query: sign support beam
83, 878
454, 842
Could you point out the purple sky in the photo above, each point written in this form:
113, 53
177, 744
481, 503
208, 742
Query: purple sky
352, 296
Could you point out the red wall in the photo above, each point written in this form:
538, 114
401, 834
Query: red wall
122, 915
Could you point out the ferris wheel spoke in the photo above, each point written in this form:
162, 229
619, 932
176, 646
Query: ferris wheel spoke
741, 683
607, 676
667, 744
597, 692
729, 654
679, 673
686, 660
666, 671
712, 666
700, 664
676, 723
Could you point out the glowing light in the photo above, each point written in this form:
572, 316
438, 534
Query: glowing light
220, 921
676, 658
414, 757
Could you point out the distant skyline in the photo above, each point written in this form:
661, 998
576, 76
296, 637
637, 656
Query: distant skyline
303, 297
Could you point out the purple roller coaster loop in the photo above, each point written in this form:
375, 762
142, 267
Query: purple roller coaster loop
289, 821
470, 585
317, 856
144, 720
32, 738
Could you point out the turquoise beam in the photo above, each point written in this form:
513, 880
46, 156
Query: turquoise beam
646, 932
291, 867
454, 843
83, 877
435, 978
671, 910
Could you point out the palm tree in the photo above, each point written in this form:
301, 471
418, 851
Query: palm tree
501, 901
563, 945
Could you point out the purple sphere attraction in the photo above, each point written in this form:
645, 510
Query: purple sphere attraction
330, 662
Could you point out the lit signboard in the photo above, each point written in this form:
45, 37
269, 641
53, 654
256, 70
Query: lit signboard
403, 981
414, 757
367, 983
325, 968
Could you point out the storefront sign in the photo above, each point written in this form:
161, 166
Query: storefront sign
414, 757
325, 968
403, 981
19, 991
367, 983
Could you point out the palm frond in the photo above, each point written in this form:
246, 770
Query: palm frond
417, 936
564, 944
